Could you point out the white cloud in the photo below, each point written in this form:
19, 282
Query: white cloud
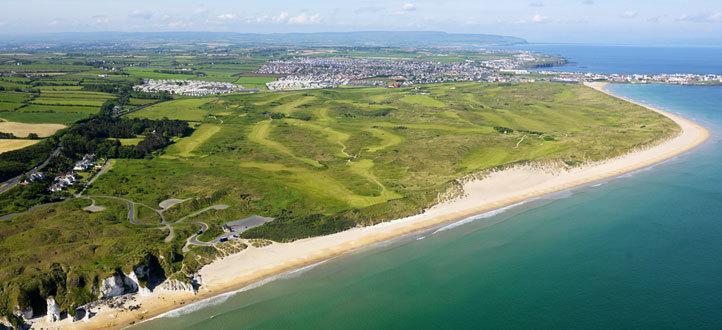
99, 19
140, 14
304, 19
630, 14
536, 4
539, 19
281, 18
702, 18
407, 6
227, 17
655, 19
286, 18
587, 2
368, 9
179, 24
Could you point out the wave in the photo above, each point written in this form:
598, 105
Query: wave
646, 169
221, 298
477, 217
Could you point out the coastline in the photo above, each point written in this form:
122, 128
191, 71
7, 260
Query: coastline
497, 190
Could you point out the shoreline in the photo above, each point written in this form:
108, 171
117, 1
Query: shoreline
256, 266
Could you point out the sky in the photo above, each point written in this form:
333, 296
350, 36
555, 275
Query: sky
547, 21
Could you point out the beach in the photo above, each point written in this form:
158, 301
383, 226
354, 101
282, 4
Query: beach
496, 190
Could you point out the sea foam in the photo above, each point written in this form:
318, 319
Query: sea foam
221, 298
477, 217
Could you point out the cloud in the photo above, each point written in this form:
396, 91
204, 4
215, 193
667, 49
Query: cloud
539, 19
200, 10
655, 19
99, 19
304, 19
702, 18
226, 17
281, 18
407, 6
536, 4
630, 14
285, 18
587, 2
365, 10
140, 14
180, 24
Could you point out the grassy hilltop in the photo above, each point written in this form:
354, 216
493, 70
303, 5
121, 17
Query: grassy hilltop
318, 161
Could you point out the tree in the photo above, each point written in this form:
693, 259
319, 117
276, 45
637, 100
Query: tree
107, 108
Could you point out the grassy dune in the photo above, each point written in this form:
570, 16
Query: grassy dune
373, 154
185, 146
318, 161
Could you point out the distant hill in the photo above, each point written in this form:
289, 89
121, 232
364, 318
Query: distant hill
321, 39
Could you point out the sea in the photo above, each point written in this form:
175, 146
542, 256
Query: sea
639, 251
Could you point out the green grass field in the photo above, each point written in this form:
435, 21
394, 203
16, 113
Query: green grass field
378, 153
254, 81
186, 146
43, 117
184, 109
317, 161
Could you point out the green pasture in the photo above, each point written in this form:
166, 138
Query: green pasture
184, 109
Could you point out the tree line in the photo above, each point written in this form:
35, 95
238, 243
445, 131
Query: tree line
99, 135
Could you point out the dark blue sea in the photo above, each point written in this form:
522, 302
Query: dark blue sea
640, 251
634, 59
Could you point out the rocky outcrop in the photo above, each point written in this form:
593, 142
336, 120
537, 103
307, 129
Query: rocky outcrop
53, 312
176, 285
119, 284
131, 282
112, 287
191, 285
26, 313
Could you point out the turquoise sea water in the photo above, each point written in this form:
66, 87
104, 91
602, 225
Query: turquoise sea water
643, 250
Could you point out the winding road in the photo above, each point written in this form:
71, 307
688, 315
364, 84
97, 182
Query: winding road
9, 184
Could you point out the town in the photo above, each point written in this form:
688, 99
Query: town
189, 87
327, 72
662, 78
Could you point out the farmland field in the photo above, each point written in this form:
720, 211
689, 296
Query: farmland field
184, 109
23, 129
67, 108
14, 144
43, 117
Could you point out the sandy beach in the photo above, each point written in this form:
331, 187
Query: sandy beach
496, 190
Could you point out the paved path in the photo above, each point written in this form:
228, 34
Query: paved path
193, 240
171, 233
212, 207
9, 184
102, 171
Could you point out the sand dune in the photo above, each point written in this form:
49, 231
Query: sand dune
494, 191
